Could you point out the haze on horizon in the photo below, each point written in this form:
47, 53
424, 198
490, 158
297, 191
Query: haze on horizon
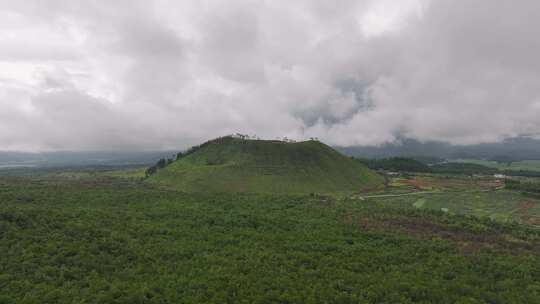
124, 74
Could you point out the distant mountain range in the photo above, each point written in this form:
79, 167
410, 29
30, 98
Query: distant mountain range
513, 149
98, 158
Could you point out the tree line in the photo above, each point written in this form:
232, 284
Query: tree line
401, 164
405, 164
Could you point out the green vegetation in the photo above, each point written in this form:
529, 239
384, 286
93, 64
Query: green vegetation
251, 221
79, 172
396, 164
502, 206
419, 203
471, 167
237, 165
123, 241
455, 167
464, 195
526, 186
527, 168
132, 173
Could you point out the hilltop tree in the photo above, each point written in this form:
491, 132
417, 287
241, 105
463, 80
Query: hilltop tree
162, 163
179, 155
150, 171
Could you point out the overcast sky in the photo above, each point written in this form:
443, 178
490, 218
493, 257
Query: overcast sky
92, 75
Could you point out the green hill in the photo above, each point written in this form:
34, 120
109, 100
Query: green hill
236, 165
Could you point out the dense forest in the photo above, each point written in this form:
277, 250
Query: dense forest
395, 164
124, 242
424, 165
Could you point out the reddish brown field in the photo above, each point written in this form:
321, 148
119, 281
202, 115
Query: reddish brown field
465, 240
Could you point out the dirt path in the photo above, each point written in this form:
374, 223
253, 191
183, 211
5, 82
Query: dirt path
361, 197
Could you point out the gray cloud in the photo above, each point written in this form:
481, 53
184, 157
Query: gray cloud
168, 74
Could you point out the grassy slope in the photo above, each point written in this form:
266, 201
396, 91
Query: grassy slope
235, 165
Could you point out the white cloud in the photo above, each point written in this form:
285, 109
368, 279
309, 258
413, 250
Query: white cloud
168, 74
388, 16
